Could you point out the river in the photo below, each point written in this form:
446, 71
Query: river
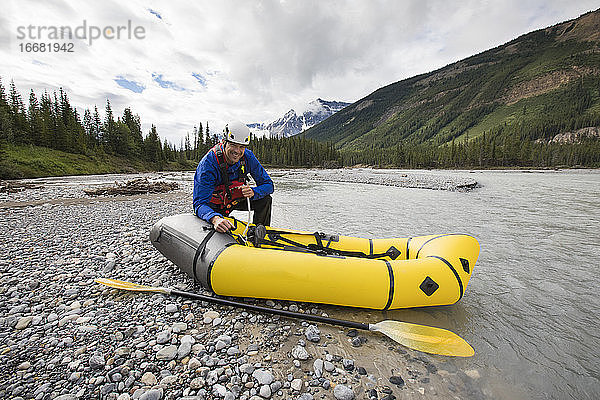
531, 309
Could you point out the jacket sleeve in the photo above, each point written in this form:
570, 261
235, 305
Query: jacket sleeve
264, 184
206, 180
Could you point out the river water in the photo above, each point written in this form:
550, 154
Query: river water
532, 306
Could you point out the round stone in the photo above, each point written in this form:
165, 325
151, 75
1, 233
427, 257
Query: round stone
24, 365
171, 308
263, 376
163, 337
265, 391
343, 392
312, 333
97, 362
296, 384
300, 353
149, 379
397, 380
24, 322
168, 353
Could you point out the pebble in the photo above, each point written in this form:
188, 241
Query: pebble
194, 363
328, 366
149, 379
397, 380
179, 327
197, 383
233, 351
300, 353
348, 364
168, 380
219, 390
167, 353
343, 392
318, 367
154, 394
163, 337
265, 391
247, 368
171, 308
23, 322
297, 384
122, 351
109, 266
67, 396
97, 362
263, 376
184, 350
24, 366
312, 333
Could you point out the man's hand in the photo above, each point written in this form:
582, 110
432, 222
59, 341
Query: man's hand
247, 191
221, 224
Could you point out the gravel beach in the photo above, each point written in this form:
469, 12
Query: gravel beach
62, 336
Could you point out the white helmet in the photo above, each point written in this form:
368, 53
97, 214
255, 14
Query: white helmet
237, 132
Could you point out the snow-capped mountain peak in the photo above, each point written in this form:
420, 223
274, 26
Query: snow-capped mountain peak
291, 123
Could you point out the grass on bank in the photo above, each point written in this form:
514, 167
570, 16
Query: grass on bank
18, 162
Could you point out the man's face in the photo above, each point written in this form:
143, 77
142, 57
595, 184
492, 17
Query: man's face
233, 152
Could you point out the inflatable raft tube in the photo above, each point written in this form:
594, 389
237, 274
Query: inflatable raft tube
320, 268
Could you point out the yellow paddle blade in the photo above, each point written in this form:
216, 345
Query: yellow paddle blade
424, 338
134, 287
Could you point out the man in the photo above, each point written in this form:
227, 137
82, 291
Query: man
220, 181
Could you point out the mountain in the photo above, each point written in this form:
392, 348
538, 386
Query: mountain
532, 88
258, 129
291, 123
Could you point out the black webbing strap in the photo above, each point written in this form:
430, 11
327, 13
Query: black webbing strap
201, 250
313, 248
276, 237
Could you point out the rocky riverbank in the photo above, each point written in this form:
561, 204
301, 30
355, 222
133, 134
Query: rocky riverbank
416, 180
65, 337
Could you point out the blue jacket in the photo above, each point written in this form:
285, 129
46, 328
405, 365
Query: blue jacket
208, 177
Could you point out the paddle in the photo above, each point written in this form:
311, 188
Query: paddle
418, 337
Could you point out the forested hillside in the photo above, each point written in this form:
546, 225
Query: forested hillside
503, 107
48, 137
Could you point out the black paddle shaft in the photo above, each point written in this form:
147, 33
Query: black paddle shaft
289, 314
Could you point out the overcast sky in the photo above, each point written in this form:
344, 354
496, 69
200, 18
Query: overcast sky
250, 60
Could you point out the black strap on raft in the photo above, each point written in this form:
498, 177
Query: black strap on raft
201, 250
257, 235
238, 238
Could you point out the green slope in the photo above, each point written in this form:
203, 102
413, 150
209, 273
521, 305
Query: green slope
536, 86
33, 161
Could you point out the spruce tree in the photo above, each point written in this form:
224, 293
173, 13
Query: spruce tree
6, 130
109, 130
18, 116
97, 132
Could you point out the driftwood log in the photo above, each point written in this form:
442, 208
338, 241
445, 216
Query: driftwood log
15, 187
133, 187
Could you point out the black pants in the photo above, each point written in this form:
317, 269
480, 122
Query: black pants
262, 209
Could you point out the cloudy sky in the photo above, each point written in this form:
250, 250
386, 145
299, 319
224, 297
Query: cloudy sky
198, 61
